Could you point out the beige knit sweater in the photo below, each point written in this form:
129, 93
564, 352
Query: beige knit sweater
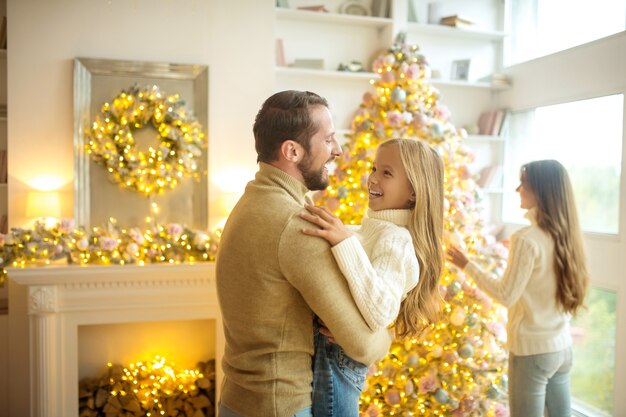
271, 281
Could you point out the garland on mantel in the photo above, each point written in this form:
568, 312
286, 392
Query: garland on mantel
108, 245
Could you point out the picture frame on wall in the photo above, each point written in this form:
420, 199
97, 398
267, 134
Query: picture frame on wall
460, 70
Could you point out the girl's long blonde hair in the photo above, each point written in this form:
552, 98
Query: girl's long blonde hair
424, 169
556, 214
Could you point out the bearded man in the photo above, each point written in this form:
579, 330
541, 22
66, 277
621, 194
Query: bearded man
272, 280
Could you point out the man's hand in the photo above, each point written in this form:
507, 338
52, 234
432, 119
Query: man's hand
331, 228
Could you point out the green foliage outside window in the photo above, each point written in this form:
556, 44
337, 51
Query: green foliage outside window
593, 374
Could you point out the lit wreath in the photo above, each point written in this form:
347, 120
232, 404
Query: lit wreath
180, 140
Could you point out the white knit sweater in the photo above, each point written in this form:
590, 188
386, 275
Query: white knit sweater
380, 265
536, 323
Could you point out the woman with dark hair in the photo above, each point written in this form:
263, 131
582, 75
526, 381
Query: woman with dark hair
544, 284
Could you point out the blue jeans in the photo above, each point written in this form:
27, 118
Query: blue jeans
337, 380
227, 412
540, 381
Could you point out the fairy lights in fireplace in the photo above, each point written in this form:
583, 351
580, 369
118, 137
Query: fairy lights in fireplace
151, 388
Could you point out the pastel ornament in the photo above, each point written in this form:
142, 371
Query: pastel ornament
132, 249
492, 392
398, 95
472, 319
409, 387
466, 350
457, 317
82, 244
454, 288
392, 397
412, 360
389, 59
437, 351
441, 396
388, 77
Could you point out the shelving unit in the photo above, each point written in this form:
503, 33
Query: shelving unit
336, 38
489, 151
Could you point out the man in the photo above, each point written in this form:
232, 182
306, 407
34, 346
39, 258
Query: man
272, 279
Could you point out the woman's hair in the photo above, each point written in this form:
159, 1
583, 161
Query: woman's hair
424, 169
556, 214
285, 116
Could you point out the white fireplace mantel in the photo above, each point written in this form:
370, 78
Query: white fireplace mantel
48, 304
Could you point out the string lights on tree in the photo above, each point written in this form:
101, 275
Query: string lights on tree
456, 367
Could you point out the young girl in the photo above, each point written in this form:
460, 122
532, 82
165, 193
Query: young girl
392, 264
545, 281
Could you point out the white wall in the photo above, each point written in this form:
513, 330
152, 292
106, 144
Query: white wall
234, 38
591, 70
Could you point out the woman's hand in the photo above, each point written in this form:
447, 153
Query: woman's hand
331, 228
456, 256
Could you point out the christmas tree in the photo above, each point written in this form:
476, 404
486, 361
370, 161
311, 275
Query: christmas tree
456, 367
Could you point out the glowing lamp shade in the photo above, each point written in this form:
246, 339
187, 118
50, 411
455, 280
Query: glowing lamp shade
41, 204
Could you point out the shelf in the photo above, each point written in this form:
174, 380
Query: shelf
372, 75
484, 138
325, 73
470, 84
464, 33
334, 18
492, 190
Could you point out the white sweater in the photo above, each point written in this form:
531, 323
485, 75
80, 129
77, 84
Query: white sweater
536, 323
380, 265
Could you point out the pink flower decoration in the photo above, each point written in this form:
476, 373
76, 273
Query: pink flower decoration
372, 411
136, 235
394, 118
501, 411
174, 230
413, 72
108, 243
66, 225
427, 383
392, 397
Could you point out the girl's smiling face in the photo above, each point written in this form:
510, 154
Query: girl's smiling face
389, 186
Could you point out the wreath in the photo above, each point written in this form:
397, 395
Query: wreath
180, 140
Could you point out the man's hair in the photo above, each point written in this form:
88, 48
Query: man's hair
285, 116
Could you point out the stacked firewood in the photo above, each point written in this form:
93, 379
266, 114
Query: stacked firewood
118, 394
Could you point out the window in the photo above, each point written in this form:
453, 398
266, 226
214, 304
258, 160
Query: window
593, 373
586, 137
542, 27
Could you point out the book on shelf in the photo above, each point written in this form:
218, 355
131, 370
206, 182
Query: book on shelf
491, 122
456, 21
3, 166
485, 176
380, 8
3, 32
4, 224
280, 53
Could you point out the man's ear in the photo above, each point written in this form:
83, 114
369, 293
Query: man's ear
291, 151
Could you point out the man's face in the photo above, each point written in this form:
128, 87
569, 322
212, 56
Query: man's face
324, 148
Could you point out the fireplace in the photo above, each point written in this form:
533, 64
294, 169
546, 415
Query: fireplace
62, 321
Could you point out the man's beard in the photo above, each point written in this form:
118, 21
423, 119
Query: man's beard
313, 179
